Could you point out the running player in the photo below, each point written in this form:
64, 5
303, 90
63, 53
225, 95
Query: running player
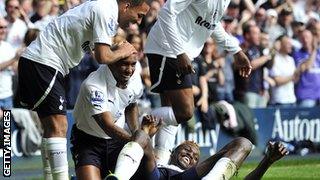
177, 37
47, 60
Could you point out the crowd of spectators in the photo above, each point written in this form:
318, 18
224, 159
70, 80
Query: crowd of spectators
280, 37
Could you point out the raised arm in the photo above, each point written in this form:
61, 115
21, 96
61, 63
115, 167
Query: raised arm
223, 39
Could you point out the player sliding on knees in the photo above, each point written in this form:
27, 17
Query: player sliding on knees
178, 36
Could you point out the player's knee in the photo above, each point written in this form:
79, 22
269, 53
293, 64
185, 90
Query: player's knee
141, 138
184, 114
244, 144
55, 126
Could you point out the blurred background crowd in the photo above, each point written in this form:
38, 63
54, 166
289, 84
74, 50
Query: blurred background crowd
280, 37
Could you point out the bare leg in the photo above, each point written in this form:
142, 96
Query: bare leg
177, 107
181, 102
88, 172
237, 151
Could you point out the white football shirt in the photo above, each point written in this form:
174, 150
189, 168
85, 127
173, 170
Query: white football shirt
99, 94
63, 42
183, 26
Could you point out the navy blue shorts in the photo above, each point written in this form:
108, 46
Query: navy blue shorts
164, 75
90, 150
162, 173
41, 88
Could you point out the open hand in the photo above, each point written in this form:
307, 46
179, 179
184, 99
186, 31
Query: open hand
127, 49
276, 151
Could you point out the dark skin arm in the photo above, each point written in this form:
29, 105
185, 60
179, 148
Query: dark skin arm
150, 125
106, 122
104, 55
132, 113
275, 152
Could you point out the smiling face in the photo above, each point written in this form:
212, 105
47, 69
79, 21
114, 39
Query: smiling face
123, 69
186, 155
131, 14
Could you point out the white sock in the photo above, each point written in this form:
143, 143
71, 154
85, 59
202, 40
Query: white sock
45, 160
57, 150
128, 160
223, 169
164, 143
167, 114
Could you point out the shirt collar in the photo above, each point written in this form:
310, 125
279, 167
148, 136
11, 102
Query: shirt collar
110, 78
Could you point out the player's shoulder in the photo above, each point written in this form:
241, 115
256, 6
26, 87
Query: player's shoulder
104, 6
96, 79
135, 82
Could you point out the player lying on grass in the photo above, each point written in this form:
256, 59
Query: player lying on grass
184, 162
106, 101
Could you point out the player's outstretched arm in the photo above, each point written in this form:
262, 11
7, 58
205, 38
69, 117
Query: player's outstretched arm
105, 55
275, 152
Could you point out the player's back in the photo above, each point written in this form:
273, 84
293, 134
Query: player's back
59, 44
194, 24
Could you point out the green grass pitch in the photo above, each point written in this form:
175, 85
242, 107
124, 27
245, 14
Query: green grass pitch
288, 168
291, 167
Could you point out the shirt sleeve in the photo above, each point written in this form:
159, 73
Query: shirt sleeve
168, 19
224, 40
105, 25
96, 100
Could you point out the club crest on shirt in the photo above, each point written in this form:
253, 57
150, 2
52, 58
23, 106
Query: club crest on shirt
97, 98
117, 115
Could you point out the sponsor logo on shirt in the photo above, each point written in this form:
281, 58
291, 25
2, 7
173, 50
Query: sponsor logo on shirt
97, 98
86, 47
202, 22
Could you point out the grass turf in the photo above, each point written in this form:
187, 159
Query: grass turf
291, 167
288, 168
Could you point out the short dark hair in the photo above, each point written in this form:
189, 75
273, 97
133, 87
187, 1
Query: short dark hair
246, 28
281, 37
133, 2
7, 2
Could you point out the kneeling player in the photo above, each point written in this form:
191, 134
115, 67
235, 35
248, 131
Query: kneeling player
106, 101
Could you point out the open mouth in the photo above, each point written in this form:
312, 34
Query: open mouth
126, 77
186, 159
